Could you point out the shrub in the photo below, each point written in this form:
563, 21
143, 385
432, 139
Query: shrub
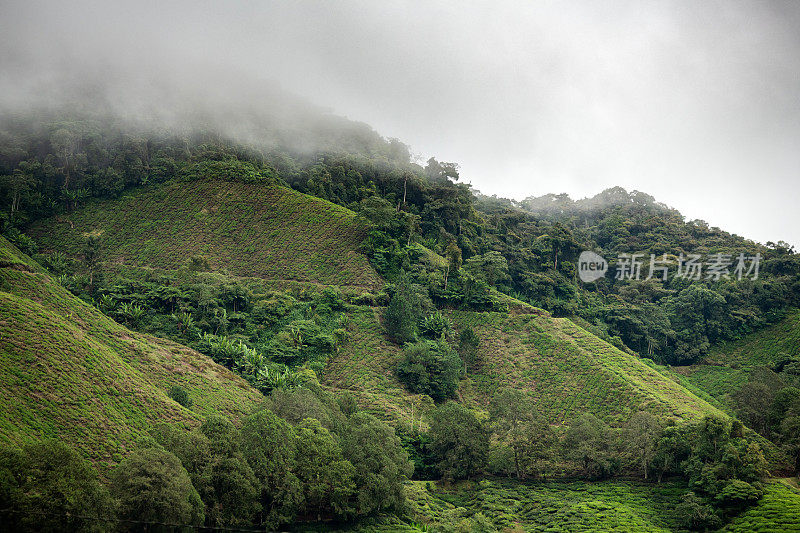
435, 325
431, 368
695, 514
180, 395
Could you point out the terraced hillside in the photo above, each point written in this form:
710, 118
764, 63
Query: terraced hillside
69, 372
778, 511
567, 369
728, 365
537, 506
252, 230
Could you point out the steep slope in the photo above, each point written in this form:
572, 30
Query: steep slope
69, 372
567, 369
729, 365
253, 230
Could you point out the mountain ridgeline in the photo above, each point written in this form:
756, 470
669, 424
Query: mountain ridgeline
312, 317
53, 164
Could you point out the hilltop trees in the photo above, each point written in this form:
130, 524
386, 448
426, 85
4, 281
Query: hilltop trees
490, 267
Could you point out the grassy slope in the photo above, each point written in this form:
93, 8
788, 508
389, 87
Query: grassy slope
263, 231
728, 365
69, 372
567, 369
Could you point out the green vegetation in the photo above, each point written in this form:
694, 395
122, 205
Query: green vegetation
267, 474
250, 230
352, 288
151, 485
729, 365
69, 372
777, 510
47, 486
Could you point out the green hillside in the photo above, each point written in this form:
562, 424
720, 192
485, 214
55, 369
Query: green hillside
567, 369
69, 372
273, 233
728, 365
250, 230
778, 510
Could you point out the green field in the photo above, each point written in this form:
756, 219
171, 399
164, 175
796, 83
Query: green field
263, 231
69, 372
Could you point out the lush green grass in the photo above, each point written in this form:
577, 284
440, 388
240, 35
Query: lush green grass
777, 512
250, 230
577, 506
69, 372
567, 369
544, 506
729, 365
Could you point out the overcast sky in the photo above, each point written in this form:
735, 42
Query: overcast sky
696, 103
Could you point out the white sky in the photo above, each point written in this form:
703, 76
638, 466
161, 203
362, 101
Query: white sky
696, 103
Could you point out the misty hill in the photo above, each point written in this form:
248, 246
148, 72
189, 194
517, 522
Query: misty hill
71, 373
395, 285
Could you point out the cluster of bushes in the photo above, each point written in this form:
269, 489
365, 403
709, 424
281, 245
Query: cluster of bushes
305, 455
263, 336
430, 365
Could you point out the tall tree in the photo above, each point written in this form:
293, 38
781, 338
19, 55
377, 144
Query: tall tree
151, 485
514, 420
640, 437
459, 441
